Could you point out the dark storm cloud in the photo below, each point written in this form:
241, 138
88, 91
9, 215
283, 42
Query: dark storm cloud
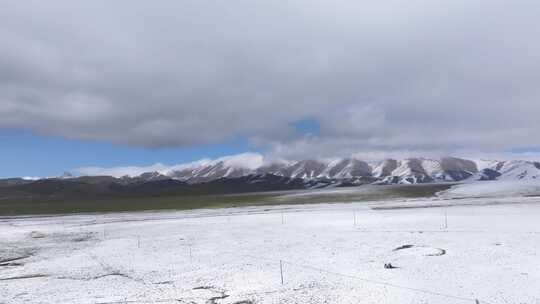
376, 75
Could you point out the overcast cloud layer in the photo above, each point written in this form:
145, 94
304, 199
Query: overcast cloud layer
378, 76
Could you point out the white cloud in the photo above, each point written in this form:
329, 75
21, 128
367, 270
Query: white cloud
121, 171
379, 76
243, 160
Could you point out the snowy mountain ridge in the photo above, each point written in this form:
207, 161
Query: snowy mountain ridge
389, 171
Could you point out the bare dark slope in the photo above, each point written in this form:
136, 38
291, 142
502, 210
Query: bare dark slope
105, 187
107, 194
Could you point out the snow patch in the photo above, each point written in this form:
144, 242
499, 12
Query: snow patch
493, 189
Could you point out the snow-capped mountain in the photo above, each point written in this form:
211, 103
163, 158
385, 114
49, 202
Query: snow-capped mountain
208, 170
389, 171
252, 173
509, 170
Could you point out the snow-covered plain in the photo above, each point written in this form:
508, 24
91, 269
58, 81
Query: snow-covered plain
478, 248
494, 189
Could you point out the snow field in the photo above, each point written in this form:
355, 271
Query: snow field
233, 255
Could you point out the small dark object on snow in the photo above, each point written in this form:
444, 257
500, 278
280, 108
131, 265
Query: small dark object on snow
389, 266
403, 247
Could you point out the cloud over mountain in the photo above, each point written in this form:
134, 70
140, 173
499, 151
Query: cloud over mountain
373, 75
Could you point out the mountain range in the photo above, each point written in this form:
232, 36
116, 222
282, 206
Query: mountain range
233, 175
351, 171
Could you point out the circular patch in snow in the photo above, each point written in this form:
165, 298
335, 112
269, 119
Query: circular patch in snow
420, 250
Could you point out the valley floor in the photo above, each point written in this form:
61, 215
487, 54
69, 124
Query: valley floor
481, 248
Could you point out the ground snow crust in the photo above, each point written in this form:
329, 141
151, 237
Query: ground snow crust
233, 255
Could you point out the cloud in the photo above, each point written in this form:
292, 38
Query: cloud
243, 160
378, 77
121, 171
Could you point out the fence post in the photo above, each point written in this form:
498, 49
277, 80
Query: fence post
281, 270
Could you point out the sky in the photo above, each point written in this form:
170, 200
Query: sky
134, 83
